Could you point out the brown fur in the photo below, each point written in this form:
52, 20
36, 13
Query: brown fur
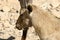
45, 24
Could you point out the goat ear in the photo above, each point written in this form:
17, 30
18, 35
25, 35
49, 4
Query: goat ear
29, 7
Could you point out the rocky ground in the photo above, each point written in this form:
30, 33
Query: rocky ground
9, 13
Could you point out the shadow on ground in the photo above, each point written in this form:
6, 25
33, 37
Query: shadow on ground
10, 38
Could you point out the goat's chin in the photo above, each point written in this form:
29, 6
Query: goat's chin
18, 27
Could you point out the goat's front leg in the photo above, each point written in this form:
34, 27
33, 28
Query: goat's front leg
24, 33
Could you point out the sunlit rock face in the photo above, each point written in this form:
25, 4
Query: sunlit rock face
52, 6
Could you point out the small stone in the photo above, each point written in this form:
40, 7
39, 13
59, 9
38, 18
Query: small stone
2, 10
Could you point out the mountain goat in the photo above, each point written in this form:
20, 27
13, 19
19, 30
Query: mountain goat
46, 25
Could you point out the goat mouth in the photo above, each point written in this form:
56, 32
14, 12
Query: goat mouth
19, 27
